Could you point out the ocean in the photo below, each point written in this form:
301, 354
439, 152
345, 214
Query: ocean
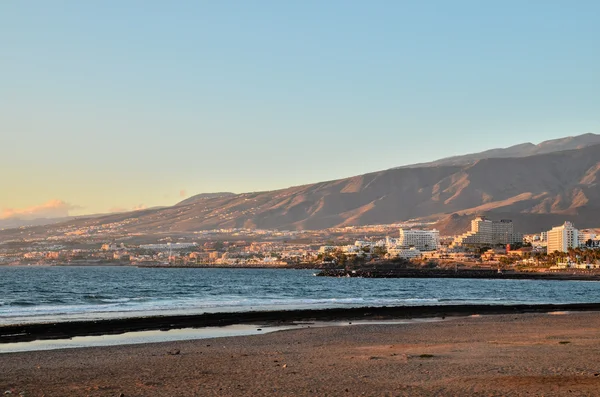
61, 293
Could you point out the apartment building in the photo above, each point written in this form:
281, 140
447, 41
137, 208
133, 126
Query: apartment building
485, 232
423, 240
563, 237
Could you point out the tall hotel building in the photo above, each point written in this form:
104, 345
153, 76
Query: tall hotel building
423, 240
561, 238
485, 232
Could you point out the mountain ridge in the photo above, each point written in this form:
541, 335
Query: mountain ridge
555, 185
519, 150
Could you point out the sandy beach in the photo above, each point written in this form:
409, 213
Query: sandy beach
497, 355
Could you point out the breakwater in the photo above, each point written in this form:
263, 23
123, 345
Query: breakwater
458, 273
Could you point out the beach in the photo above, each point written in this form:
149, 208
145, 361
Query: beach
530, 354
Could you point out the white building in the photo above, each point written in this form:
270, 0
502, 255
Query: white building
327, 248
406, 253
485, 232
423, 240
561, 238
585, 235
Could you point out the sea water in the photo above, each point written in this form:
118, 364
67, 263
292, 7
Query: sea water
61, 293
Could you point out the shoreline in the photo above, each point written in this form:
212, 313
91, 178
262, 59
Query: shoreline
529, 354
66, 330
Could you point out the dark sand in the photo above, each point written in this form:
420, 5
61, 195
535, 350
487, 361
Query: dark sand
498, 355
70, 329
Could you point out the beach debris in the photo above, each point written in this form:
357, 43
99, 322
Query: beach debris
174, 352
426, 356
284, 366
259, 329
8, 392
564, 342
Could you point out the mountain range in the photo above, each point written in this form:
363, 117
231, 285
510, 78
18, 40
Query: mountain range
538, 186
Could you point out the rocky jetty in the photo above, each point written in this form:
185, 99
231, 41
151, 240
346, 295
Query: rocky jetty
458, 273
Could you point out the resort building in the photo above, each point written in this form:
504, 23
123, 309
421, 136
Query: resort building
423, 240
584, 236
406, 253
327, 248
561, 238
487, 233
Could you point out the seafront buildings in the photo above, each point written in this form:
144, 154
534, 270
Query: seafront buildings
563, 237
275, 248
485, 232
423, 240
412, 243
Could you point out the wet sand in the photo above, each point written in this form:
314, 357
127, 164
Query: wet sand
70, 329
494, 355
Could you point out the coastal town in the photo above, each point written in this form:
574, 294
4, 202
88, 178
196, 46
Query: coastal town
490, 243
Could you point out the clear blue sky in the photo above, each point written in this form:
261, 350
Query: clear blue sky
107, 104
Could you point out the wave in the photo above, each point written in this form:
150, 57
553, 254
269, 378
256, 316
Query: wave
472, 300
23, 303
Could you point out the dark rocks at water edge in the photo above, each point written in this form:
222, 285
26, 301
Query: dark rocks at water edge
458, 273
66, 330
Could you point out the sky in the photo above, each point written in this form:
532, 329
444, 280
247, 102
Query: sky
119, 105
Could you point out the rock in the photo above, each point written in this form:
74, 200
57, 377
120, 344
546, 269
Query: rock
259, 329
174, 352
284, 366
8, 392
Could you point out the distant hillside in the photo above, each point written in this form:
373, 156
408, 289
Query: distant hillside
205, 196
521, 150
17, 222
584, 217
544, 189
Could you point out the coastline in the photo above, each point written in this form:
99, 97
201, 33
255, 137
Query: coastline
65, 330
503, 355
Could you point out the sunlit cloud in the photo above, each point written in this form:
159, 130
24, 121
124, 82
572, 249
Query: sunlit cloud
182, 193
139, 207
51, 209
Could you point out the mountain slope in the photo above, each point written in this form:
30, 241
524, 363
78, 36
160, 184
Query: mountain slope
562, 184
204, 196
521, 150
